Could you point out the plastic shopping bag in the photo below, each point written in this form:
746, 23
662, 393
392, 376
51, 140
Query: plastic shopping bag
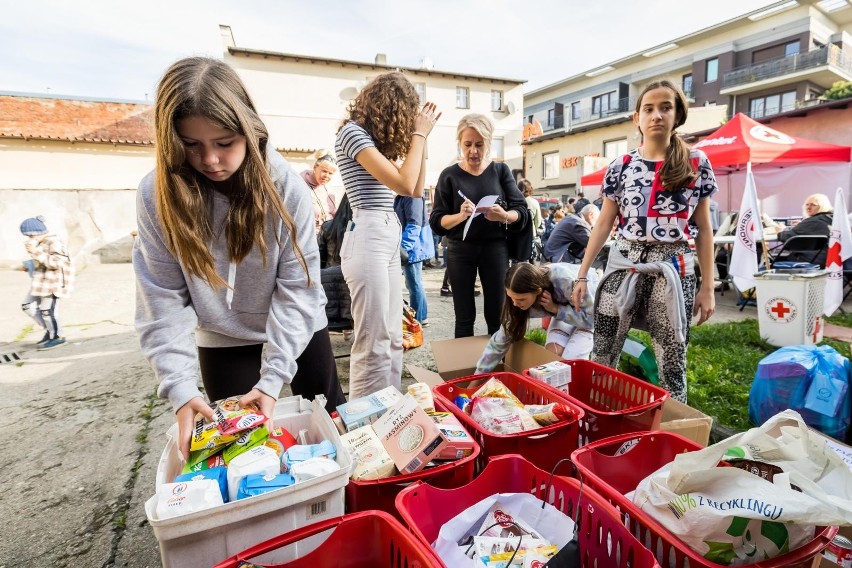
549, 522
734, 516
812, 380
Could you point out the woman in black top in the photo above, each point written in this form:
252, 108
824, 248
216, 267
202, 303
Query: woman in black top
460, 188
818, 216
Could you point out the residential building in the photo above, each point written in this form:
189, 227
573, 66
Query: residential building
303, 101
76, 162
763, 63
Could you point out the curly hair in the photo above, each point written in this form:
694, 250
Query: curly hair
522, 278
210, 89
386, 109
676, 172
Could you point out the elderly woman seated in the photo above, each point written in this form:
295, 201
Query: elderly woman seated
818, 216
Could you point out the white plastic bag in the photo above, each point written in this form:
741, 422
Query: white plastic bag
733, 517
549, 522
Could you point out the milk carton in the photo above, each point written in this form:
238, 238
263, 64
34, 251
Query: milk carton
365, 410
410, 436
555, 373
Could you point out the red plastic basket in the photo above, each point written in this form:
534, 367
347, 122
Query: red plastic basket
381, 493
543, 447
614, 402
612, 472
361, 540
604, 541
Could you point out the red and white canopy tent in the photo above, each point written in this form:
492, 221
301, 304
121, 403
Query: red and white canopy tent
786, 169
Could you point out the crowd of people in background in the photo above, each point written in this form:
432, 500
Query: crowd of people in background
235, 247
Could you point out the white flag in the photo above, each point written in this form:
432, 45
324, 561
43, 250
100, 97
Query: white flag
749, 232
839, 249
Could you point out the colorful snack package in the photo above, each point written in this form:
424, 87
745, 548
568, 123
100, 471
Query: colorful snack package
495, 388
423, 395
215, 460
501, 524
217, 474
258, 484
547, 414
231, 419
246, 441
206, 436
501, 415
459, 443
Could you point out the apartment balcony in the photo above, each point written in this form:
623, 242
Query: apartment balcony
822, 66
589, 116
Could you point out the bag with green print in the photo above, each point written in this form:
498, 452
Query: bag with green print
754, 496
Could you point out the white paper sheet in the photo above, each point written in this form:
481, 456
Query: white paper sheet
484, 205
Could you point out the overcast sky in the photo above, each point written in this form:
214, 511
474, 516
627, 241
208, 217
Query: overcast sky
117, 49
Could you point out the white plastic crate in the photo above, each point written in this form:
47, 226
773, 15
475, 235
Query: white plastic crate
207, 537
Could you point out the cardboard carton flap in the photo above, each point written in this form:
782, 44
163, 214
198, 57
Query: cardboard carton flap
526, 354
460, 353
422, 375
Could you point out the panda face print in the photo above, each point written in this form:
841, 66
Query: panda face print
667, 205
665, 229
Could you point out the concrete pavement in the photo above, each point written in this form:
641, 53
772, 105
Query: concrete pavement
84, 429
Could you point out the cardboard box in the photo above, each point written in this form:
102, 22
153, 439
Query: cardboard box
366, 410
457, 358
686, 421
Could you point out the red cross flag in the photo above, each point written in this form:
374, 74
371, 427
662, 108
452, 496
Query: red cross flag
839, 249
749, 232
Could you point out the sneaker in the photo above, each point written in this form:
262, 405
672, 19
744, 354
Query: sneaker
44, 339
52, 343
446, 292
425, 323
347, 334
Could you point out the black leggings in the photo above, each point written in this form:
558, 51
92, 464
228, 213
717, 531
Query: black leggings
491, 260
234, 371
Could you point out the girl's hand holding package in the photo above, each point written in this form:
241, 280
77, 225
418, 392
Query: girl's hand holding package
264, 402
186, 422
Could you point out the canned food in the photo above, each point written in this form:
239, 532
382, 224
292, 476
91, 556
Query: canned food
839, 551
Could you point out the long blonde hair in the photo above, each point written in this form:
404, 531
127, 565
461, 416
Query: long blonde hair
210, 89
676, 172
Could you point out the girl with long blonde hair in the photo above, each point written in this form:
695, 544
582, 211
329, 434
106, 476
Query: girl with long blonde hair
227, 253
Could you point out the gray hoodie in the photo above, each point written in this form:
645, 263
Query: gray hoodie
272, 305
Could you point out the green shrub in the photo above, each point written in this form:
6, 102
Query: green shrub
537, 335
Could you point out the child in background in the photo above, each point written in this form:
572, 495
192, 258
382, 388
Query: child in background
52, 275
543, 291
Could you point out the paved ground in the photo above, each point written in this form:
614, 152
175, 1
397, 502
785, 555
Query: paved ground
84, 429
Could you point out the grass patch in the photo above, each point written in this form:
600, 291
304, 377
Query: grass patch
841, 319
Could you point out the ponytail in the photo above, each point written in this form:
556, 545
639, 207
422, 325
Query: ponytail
677, 171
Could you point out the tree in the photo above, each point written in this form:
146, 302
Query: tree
839, 90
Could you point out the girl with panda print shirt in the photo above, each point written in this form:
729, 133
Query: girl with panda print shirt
650, 279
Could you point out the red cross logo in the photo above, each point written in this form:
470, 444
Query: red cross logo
780, 310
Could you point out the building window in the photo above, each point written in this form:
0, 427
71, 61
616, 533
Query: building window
602, 105
421, 92
551, 117
496, 100
575, 111
462, 97
531, 118
711, 70
791, 48
772, 104
615, 148
497, 148
686, 84
550, 166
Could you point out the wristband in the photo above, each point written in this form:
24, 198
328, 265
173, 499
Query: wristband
581, 279
419, 134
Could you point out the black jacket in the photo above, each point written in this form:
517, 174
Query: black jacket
338, 310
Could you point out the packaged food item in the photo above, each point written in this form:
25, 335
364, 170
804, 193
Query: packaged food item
554, 373
496, 389
313, 467
217, 474
547, 414
839, 551
258, 460
411, 438
462, 401
536, 559
501, 415
501, 524
459, 443
499, 551
300, 453
423, 395
231, 419
369, 456
338, 423
254, 484
213, 461
280, 440
206, 436
366, 410
247, 440
175, 499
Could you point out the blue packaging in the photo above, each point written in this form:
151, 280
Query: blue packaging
257, 484
462, 401
218, 474
300, 453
